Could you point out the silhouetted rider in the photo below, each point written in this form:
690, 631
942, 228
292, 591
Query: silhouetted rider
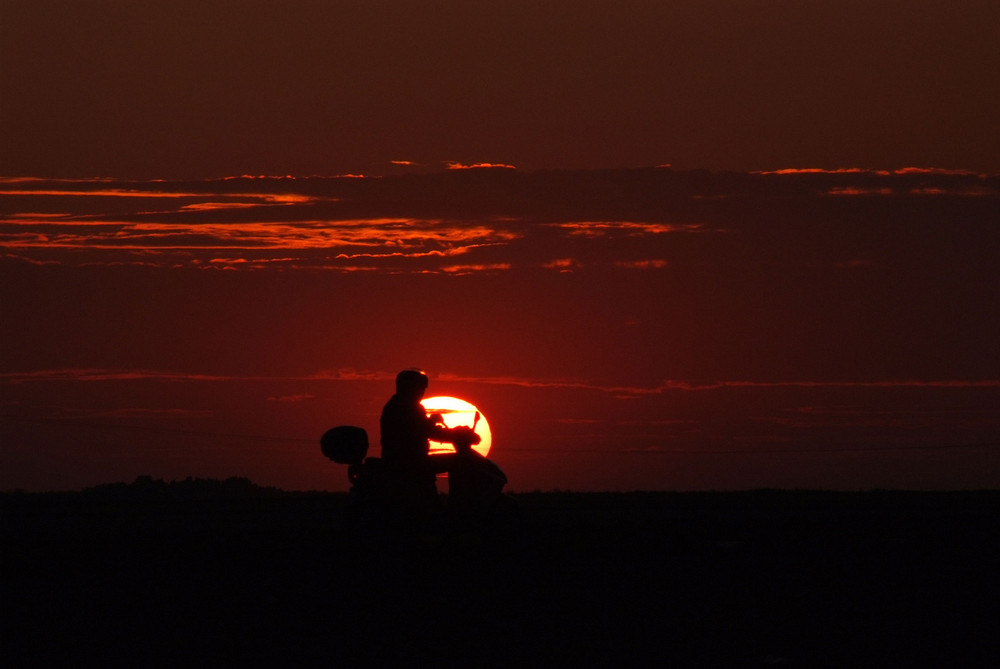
405, 433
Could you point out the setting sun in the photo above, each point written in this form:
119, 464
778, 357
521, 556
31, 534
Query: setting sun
456, 412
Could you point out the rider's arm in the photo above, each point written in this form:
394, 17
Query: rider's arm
436, 429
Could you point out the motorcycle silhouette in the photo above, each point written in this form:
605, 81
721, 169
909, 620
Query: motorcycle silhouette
475, 483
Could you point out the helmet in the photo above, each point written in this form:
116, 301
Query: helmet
411, 379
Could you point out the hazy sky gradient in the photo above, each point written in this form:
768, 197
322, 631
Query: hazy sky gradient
196, 88
731, 322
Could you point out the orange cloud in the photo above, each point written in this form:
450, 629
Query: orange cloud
625, 228
820, 170
479, 166
641, 264
471, 269
250, 244
31, 180
224, 199
935, 170
855, 190
563, 264
970, 191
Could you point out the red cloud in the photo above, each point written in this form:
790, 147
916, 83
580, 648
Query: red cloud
479, 166
641, 264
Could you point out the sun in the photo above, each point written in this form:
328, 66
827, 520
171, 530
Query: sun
457, 412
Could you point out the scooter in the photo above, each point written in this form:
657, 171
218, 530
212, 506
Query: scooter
373, 482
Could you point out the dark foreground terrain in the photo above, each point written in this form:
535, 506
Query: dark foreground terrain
227, 574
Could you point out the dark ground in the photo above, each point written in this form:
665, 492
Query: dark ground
224, 573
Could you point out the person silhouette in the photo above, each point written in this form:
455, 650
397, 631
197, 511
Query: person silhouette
405, 433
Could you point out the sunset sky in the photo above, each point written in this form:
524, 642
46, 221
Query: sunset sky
661, 245
205, 88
